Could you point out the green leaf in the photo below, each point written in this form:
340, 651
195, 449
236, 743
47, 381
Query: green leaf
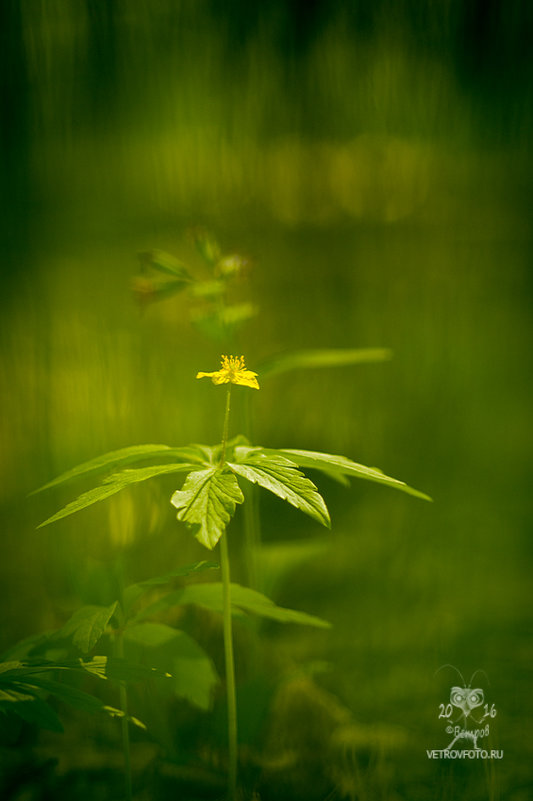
84, 702
107, 461
328, 462
206, 289
114, 484
135, 591
206, 503
279, 475
243, 599
302, 359
193, 674
38, 713
87, 625
151, 635
165, 263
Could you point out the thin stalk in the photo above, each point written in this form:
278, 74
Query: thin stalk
119, 651
228, 633
124, 721
252, 529
230, 669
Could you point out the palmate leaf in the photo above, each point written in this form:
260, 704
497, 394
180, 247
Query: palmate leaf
243, 599
206, 503
116, 483
330, 463
337, 357
87, 625
279, 475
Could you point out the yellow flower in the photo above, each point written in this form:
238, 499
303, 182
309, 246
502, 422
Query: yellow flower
232, 371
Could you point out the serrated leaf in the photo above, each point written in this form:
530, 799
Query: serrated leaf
135, 591
87, 625
165, 263
280, 475
206, 503
322, 357
107, 461
114, 484
327, 462
243, 599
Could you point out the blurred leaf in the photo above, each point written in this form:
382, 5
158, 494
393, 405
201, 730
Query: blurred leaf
243, 599
28, 645
135, 591
193, 673
206, 503
233, 315
329, 462
151, 635
280, 476
125, 670
338, 357
165, 263
108, 461
87, 625
38, 713
208, 289
84, 702
206, 245
114, 484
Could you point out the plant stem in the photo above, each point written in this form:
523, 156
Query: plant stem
119, 651
228, 633
226, 427
230, 669
124, 722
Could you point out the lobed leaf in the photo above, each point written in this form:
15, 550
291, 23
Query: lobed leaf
243, 599
302, 359
87, 625
107, 461
114, 484
279, 475
328, 462
206, 503
135, 591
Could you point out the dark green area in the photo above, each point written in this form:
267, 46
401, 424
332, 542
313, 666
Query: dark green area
371, 161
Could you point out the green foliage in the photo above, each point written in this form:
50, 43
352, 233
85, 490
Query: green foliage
165, 263
87, 625
321, 357
26, 686
207, 503
193, 673
331, 464
281, 476
108, 461
243, 599
114, 484
134, 592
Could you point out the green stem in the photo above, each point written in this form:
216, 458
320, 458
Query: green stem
230, 669
124, 721
119, 651
228, 633
226, 427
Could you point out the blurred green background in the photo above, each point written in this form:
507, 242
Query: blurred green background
371, 161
